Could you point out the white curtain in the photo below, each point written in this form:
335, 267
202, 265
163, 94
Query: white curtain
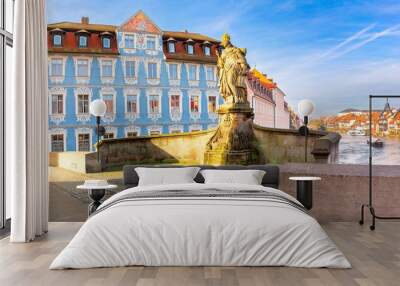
26, 119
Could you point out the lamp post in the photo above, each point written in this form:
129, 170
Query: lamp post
305, 108
98, 108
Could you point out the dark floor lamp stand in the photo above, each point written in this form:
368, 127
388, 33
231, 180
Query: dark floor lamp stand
370, 202
98, 136
305, 138
304, 132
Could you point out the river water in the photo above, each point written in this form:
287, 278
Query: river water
355, 150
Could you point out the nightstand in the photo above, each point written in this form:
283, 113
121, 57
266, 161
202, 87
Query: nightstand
96, 194
305, 190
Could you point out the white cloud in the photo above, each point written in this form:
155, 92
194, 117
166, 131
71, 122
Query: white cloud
350, 39
374, 36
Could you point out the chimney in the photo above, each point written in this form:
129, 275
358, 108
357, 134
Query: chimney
85, 20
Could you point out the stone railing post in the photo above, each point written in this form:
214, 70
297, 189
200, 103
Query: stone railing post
326, 148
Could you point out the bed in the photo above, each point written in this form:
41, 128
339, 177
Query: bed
201, 224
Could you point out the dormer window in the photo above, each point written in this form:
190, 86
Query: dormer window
106, 40
171, 45
57, 37
57, 40
106, 43
83, 41
207, 48
82, 38
190, 47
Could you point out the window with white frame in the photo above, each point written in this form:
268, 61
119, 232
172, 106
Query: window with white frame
106, 42
152, 70
57, 40
173, 71
57, 143
108, 135
130, 69
154, 104
151, 42
109, 101
84, 142
154, 132
82, 68
190, 49
7, 62
195, 128
83, 103
207, 50
83, 41
131, 134
192, 72
129, 41
194, 103
212, 104
171, 47
57, 66
57, 104
175, 130
175, 103
131, 103
210, 73
106, 68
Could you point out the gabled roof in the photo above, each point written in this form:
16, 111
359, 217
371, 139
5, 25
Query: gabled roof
187, 35
140, 22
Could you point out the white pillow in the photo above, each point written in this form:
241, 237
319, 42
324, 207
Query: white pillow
248, 177
166, 176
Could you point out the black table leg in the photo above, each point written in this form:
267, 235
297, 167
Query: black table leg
304, 193
95, 195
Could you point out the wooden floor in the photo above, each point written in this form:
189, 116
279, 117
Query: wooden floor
375, 257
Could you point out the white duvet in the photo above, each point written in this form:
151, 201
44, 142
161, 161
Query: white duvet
206, 231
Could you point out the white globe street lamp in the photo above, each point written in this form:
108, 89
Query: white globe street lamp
305, 108
98, 109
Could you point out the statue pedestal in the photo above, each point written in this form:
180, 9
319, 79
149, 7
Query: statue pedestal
233, 141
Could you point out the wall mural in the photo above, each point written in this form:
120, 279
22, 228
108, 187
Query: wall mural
158, 82
218, 88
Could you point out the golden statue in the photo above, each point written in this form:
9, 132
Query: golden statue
233, 141
232, 70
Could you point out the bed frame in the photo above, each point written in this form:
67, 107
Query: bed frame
270, 179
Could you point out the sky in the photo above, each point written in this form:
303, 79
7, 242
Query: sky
334, 53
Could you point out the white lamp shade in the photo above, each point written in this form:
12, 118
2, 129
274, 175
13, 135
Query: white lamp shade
305, 107
98, 107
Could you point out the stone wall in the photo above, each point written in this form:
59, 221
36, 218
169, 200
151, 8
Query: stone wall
274, 146
287, 145
74, 161
344, 188
182, 148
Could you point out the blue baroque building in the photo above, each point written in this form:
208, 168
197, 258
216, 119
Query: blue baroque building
153, 81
